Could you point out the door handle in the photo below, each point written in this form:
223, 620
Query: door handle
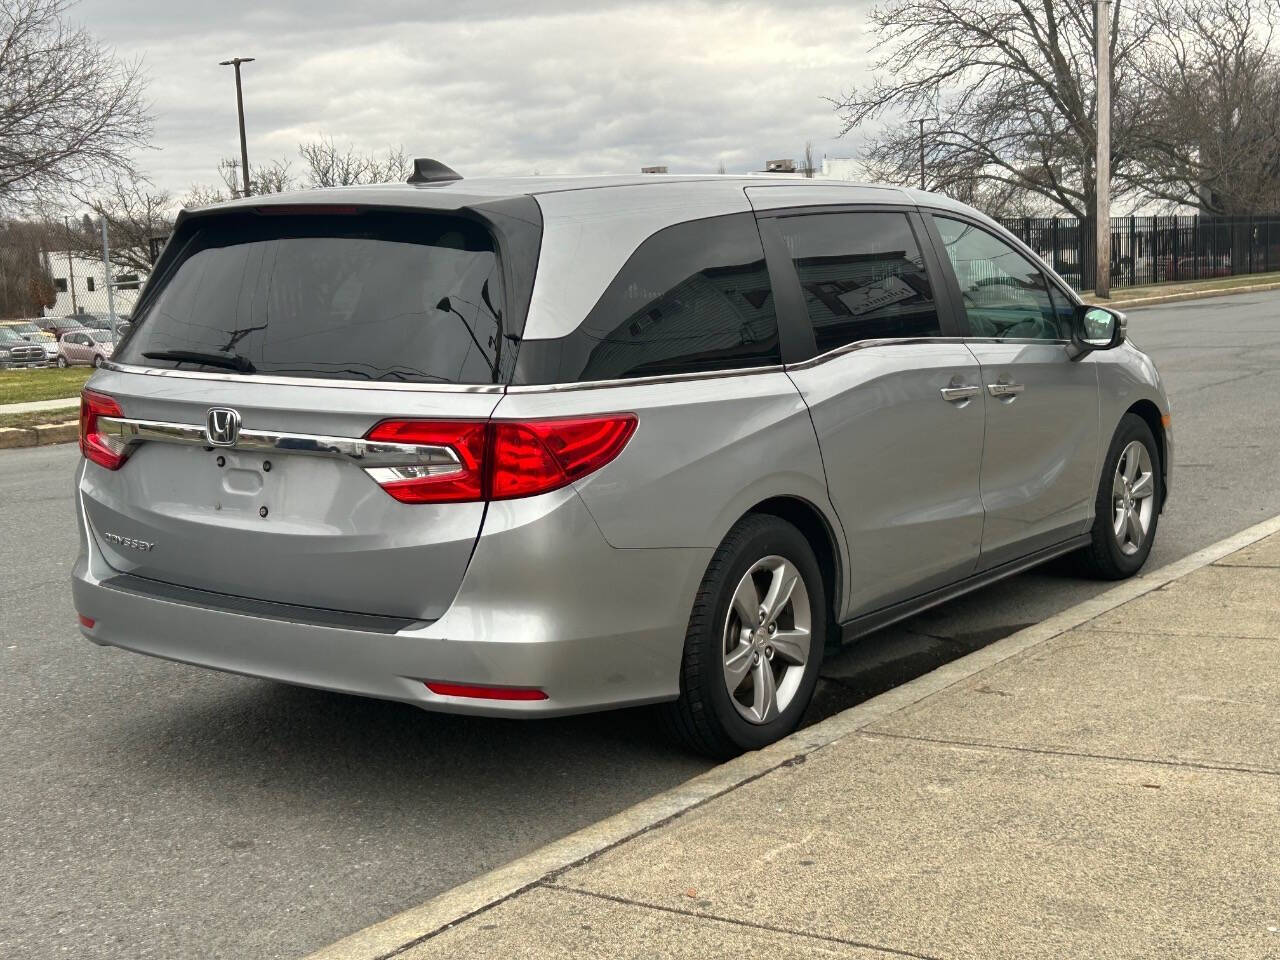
958, 394
1005, 390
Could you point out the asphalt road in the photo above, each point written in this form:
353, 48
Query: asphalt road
149, 809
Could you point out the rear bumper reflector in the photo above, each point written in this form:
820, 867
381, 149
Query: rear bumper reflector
484, 693
86, 622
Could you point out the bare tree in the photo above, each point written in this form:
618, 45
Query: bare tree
134, 214
1196, 101
1211, 133
25, 284
720, 168
71, 111
272, 177
1012, 82
808, 169
331, 166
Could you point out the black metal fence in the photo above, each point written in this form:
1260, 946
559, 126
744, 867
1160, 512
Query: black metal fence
1154, 249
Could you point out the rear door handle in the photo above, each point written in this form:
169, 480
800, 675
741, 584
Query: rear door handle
1003, 389
957, 394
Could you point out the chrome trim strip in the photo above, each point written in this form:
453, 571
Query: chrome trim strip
645, 381
303, 381
907, 341
867, 345
367, 453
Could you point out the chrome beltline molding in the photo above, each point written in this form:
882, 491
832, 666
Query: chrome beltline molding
646, 381
564, 387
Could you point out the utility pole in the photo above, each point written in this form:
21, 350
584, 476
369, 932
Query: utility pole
244, 150
922, 121
106, 272
1102, 32
71, 269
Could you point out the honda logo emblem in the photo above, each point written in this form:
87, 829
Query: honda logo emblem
222, 427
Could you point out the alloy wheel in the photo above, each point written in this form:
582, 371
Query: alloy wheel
1133, 498
766, 639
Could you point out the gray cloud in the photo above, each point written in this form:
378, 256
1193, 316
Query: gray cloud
493, 87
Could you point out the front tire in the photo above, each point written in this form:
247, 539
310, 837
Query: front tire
97, 361
1127, 509
62, 362
754, 644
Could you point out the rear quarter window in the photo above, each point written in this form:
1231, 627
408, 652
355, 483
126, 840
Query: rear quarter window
694, 297
373, 295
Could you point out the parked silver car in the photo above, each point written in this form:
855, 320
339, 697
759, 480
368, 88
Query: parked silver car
85, 346
535, 447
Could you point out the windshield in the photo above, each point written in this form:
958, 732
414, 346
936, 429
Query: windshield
377, 295
9, 335
25, 329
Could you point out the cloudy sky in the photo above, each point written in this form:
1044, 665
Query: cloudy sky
493, 86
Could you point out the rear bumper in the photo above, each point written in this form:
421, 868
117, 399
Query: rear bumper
546, 603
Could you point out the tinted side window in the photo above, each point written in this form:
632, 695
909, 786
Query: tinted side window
1005, 295
863, 277
693, 297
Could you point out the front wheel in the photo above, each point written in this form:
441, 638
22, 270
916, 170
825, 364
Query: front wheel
97, 360
1127, 510
62, 361
754, 643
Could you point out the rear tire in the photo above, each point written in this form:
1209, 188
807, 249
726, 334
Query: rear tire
727, 703
62, 361
1127, 508
97, 360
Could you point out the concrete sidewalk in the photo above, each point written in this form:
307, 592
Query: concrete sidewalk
1107, 788
37, 406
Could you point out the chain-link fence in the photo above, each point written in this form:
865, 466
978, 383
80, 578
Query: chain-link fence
62, 302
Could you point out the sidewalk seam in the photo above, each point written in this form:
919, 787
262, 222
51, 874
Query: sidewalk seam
826, 938
1049, 752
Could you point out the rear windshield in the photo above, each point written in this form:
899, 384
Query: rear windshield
396, 297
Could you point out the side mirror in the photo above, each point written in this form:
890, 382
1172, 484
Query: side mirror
1096, 328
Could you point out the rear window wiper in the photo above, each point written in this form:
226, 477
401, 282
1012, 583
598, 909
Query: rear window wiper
231, 361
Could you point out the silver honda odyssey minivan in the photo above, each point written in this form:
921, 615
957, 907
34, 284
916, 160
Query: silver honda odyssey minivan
532, 447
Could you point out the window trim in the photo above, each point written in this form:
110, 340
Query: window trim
962, 320
789, 295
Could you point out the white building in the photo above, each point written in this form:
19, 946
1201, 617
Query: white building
839, 168
80, 283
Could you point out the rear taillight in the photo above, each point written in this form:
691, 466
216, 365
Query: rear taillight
457, 482
500, 459
535, 456
101, 448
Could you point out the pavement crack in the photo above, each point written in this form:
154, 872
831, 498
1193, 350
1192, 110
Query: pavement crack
749, 924
1046, 751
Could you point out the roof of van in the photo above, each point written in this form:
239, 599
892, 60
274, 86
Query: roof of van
456, 193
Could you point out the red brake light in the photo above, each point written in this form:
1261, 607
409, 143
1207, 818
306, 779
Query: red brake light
501, 459
106, 451
535, 456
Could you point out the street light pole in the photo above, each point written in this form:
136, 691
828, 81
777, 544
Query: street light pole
1102, 163
244, 149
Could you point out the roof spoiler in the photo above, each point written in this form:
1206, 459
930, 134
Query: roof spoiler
426, 170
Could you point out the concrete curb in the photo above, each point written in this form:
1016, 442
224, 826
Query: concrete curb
414, 926
40, 435
1186, 295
